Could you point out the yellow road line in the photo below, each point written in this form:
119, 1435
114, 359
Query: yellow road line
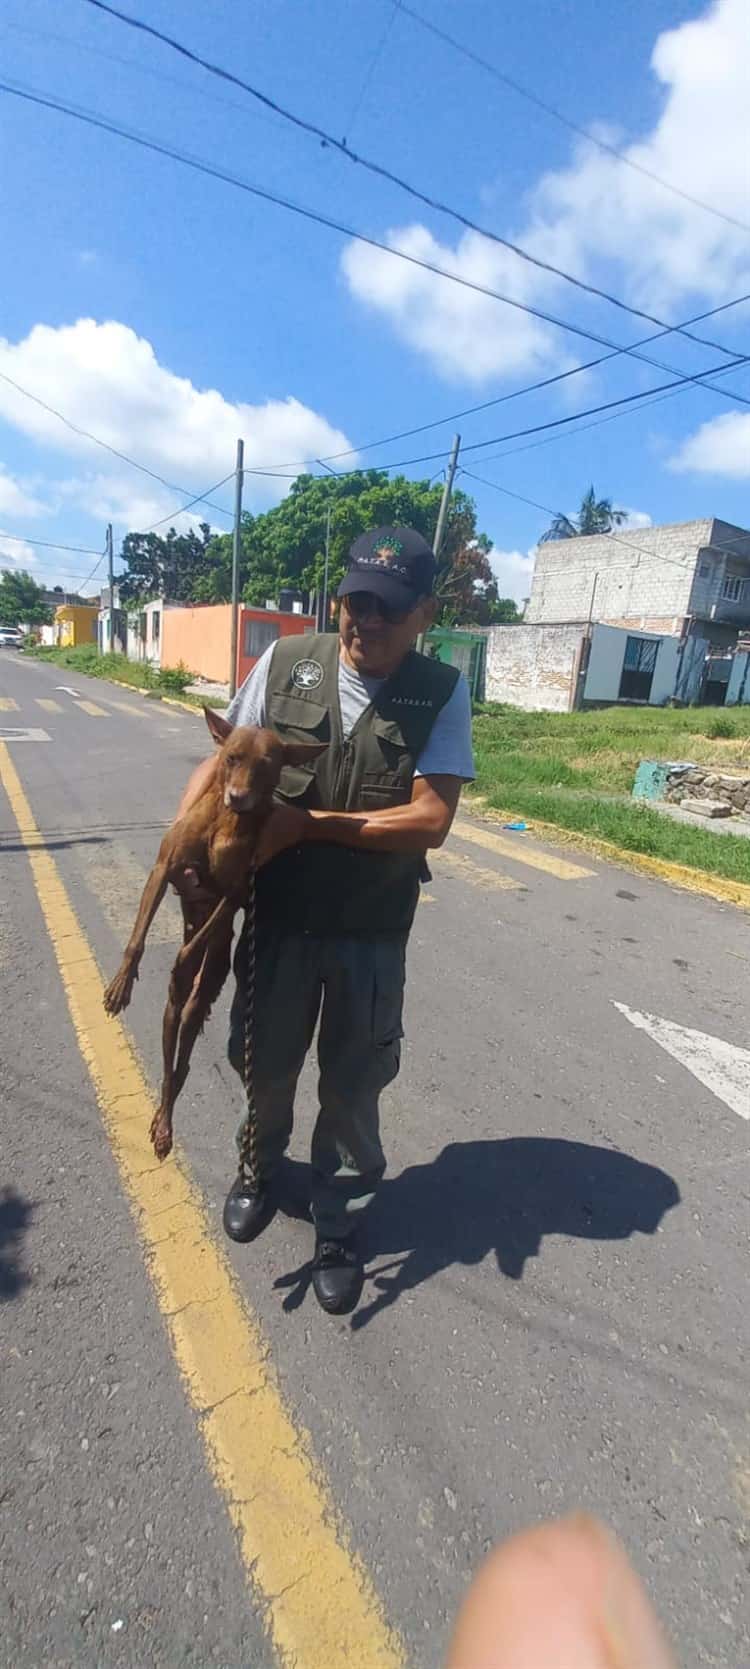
505, 848
48, 704
314, 1595
475, 873
130, 707
91, 708
7, 704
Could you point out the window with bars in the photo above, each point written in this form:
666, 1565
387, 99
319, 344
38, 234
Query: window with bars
259, 635
638, 668
733, 589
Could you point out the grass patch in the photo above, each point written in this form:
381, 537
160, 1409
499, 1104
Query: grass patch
87, 659
577, 770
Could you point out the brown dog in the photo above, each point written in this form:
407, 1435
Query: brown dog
214, 844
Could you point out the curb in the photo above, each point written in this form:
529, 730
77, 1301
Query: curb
718, 887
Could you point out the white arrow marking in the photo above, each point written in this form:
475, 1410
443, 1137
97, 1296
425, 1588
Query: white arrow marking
721, 1067
67, 690
20, 734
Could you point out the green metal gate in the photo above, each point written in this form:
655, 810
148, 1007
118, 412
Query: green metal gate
466, 650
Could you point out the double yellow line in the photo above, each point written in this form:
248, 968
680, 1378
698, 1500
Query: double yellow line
311, 1590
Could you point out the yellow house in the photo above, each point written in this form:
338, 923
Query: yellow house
75, 623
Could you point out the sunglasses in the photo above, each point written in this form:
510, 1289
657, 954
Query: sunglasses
361, 603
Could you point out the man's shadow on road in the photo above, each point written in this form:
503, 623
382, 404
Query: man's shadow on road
500, 1196
15, 1216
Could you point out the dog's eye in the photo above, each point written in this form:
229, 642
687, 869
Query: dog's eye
232, 759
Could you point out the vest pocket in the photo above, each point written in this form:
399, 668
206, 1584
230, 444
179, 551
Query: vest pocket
295, 782
379, 796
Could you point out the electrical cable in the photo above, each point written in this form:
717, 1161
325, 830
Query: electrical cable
377, 168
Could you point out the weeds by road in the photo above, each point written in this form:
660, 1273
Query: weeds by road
577, 770
87, 660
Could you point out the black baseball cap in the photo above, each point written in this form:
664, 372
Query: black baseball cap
393, 563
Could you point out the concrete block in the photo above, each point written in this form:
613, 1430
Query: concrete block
707, 808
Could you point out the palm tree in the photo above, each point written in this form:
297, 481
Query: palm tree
596, 515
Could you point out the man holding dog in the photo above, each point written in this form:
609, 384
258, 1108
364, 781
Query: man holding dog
341, 861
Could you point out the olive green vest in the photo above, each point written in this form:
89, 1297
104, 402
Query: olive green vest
331, 890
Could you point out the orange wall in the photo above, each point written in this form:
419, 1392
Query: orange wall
200, 637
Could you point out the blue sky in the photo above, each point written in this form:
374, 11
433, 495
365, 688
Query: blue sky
167, 313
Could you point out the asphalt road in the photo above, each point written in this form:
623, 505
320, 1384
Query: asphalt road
556, 1306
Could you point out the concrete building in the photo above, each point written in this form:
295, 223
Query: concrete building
666, 579
652, 615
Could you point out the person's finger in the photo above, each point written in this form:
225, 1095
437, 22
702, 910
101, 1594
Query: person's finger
564, 1595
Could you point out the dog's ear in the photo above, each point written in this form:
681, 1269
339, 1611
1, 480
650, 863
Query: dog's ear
219, 727
302, 753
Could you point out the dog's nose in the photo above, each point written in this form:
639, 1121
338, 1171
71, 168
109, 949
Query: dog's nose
235, 798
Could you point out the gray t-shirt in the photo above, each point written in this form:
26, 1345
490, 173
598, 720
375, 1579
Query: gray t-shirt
448, 751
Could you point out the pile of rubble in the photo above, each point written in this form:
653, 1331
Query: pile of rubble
707, 792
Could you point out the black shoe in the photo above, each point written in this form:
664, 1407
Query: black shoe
337, 1275
246, 1214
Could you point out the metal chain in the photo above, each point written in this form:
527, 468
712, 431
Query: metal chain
249, 1171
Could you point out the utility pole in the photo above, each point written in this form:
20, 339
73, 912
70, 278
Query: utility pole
324, 599
443, 515
236, 539
446, 498
111, 570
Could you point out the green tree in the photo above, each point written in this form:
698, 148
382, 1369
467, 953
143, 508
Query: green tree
286, 545
596, 515
171, 567
22, 600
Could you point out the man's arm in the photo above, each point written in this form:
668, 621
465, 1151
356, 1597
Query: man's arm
423, 823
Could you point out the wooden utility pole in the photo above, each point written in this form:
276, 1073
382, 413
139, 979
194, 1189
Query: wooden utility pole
443, 514
236, 547
446, 498
111, 582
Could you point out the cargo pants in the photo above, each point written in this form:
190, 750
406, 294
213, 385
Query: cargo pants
356, 986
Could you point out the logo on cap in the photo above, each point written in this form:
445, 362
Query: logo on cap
307, 675
386, 552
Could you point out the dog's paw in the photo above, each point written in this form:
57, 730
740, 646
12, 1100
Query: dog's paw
161, 1136
119, 992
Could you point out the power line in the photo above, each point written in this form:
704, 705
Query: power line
617, 537
560, 422
372, 66
49, 544
214, 172
558, 116
96, 439
380, 170
500, 399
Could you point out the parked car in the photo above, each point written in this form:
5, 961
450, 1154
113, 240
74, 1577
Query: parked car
10, 637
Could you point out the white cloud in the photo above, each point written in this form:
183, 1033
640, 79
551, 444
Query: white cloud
15, 553
597, 219
108, 380
636, 518
15, 500
513, 571
719, 447
466, 336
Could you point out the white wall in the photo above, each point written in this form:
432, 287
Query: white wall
607, 658
665, 671
605, 663
532, 666
740, 670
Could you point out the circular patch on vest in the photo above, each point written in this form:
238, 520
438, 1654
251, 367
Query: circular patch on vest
307, 675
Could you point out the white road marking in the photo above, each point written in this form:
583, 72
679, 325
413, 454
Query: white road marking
67, 690
24, 734
721, 1067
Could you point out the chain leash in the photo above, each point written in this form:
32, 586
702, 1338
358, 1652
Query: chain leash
249, 1171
